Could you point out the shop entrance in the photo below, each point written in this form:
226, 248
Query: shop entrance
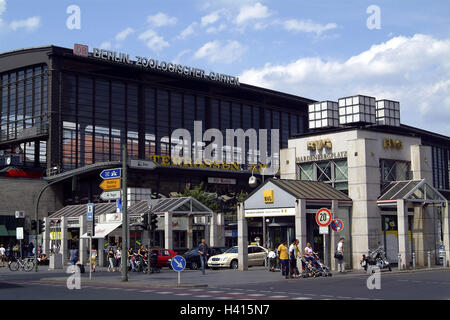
277, 234
313, 236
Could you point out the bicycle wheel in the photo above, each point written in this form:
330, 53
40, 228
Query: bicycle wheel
28, 265
14, 266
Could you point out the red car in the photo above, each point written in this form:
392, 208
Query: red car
163, 256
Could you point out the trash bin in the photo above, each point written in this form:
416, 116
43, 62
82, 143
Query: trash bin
56, 261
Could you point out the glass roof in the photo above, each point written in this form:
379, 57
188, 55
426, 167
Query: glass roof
412, 190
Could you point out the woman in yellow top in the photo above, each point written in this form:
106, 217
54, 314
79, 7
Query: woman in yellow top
94, 258
283, 252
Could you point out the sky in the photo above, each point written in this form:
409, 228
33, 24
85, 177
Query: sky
322, 49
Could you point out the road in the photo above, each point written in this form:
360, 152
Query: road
255, 284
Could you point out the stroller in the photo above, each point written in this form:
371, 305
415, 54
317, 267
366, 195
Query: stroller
322, 268
140, 264
314, 268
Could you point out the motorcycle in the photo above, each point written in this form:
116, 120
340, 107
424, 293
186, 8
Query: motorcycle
376, 258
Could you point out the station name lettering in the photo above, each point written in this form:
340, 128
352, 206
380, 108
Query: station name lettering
164, 66
318, 157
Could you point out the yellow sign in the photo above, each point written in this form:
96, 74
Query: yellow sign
392, 144
319, 144
268, 196
110, 184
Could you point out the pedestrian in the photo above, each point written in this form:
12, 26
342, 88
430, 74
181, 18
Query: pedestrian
339, 255
16, 250
111, 259
2, 255
283, 253
293, 259
94, 254
272, 259
131, 258
73, 254
119, 259
203, 251
9, 254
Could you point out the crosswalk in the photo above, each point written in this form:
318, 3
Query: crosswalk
199, 293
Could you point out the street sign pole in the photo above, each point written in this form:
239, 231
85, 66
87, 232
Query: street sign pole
179, 277
90, 258
124, 215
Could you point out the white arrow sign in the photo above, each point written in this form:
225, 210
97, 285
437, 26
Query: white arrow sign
110, 195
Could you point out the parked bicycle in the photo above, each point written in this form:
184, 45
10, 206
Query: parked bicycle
24, 264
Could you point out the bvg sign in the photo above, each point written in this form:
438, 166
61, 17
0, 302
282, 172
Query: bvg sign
268, 196
392, 144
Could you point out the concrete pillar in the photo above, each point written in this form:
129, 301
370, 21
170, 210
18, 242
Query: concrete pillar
64, 237
424, 233
300, 223
101, 252
403, 234
46, 237
446, 230
207, 233
242, 238
220, 230
168, 234
189, 240
213, 230
82, 246
334, 236
364, 190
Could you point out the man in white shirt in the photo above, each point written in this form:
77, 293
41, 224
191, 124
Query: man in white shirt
293, 258
272, 259
2, 255
340, 254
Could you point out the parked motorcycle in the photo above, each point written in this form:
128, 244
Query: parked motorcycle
376, 258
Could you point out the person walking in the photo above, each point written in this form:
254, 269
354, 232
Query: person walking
73, 255
203, 251
9, 254
131, 256
2, 255
272, 259
94, 254
119, 259
283, 253
111, 260
293, 259
339, 255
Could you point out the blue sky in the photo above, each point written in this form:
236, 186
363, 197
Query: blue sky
316, 49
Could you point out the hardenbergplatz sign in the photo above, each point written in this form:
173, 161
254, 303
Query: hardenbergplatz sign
252, 213
154, 64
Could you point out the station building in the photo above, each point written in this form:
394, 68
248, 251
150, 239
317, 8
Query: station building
64, 110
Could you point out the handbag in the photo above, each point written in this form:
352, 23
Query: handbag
338, 255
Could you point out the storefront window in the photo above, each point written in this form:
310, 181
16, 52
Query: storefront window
334, 172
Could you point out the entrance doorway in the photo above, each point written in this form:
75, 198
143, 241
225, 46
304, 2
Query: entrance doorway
278, 234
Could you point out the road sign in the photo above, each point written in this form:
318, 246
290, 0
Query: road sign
110, 184
19, 233
337, 225
323, 217
323, 230
142, 164
111, 173
20, 214
110, 195
90, 212
178, 263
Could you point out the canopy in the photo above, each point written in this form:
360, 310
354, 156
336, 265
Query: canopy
102, 230
412, 191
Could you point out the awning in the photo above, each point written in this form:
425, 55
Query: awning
102, 230
3, 231
419, 191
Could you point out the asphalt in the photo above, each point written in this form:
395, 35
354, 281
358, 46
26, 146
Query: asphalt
255, 284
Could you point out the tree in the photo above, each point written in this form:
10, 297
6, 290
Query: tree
202, 195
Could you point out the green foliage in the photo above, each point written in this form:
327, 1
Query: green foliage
199, 193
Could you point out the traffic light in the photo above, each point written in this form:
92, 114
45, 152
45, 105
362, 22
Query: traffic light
33, 224
144, 221
41, 226
153, 222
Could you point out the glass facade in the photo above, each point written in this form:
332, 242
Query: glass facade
394, 170
23, 110
101, 114
333, 172
441, 167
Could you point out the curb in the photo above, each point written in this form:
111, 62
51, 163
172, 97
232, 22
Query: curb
126, 284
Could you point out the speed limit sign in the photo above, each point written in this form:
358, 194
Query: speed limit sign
323, 217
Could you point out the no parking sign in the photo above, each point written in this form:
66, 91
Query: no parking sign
337, 225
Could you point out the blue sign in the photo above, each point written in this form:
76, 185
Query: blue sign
90, 212
111, 173
178, 263
119, 204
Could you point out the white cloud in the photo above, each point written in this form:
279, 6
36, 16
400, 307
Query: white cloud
217, 51
190, 30
121, 36
252, 12
210, 18
161, 19
218, 29
105, 45
308, 26
179, 55
413, 70
29, 24
2, 6
153, 41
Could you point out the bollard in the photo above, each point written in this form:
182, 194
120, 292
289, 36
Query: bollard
414, 260
399, 261
444, 260
429, 259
